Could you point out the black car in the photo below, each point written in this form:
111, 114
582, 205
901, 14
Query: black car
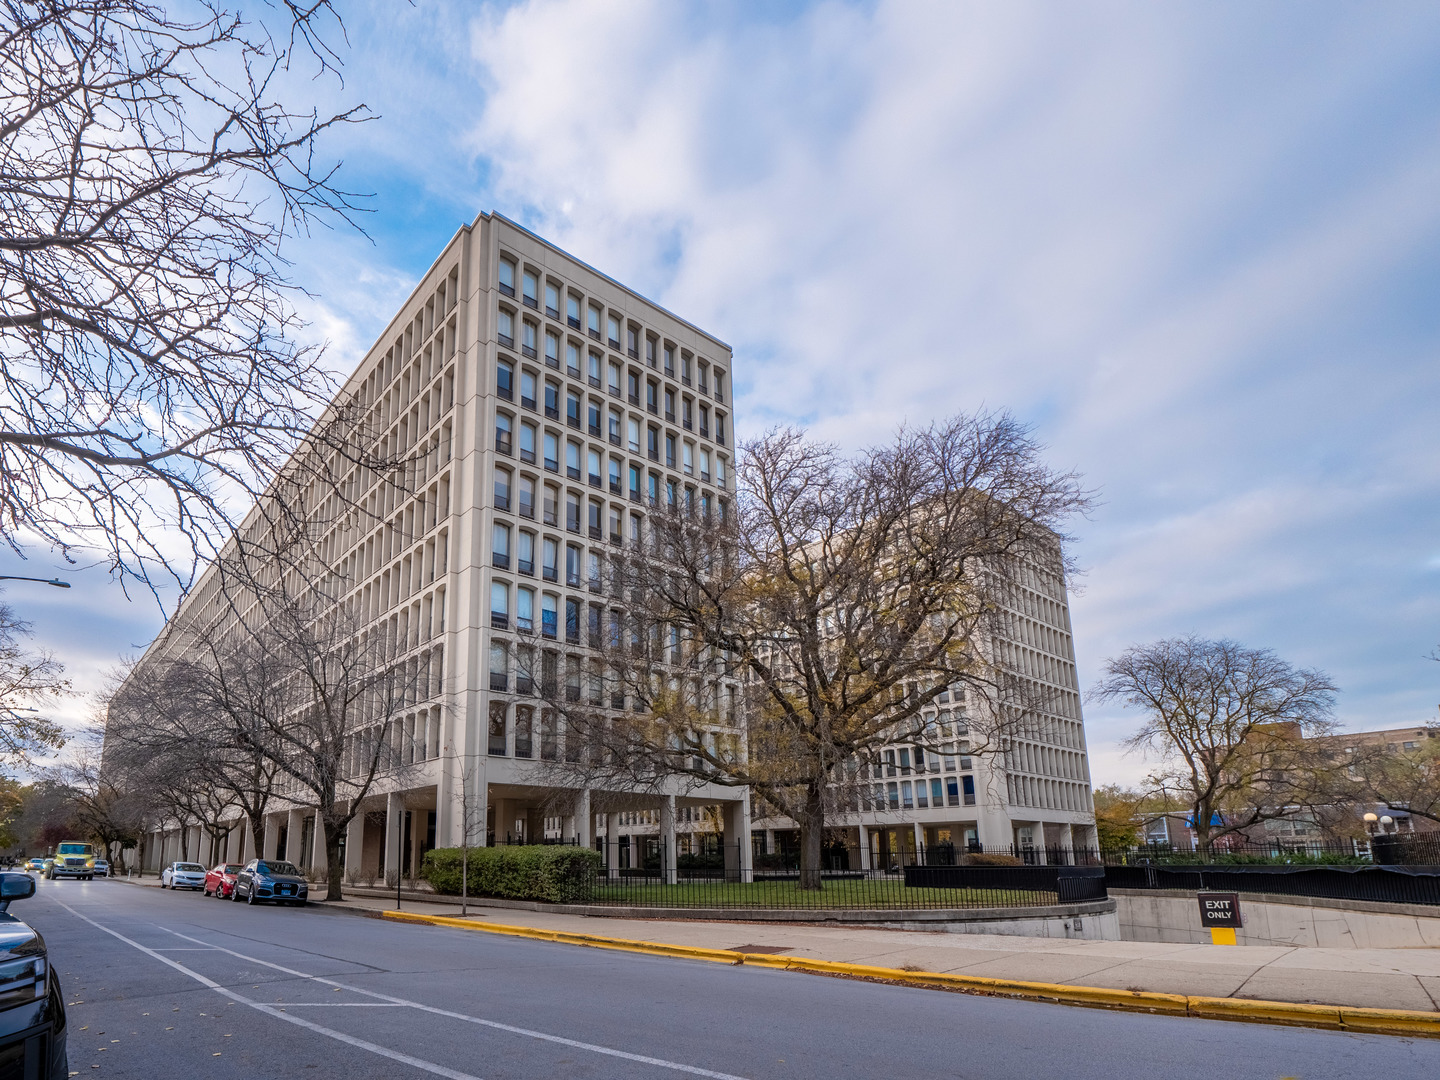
270, 879
32, 1010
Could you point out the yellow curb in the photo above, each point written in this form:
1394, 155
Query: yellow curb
1335, 1017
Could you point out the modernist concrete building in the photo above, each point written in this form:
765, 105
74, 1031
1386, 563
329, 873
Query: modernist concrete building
1030, 794
544, 407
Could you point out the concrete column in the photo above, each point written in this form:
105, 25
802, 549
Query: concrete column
612, 844
294, 827
319, 860
737, 840
355, 843
865, 848
919, 840
667, 840
247, 842
394, 808
584, 820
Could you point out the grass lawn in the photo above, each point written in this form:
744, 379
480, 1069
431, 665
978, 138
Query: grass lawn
852, 893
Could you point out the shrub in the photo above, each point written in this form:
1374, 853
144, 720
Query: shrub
555, 874
981, 858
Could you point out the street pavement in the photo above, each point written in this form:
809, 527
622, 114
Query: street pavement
178, 984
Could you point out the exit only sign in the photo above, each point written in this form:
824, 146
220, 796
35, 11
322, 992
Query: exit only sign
1220, 910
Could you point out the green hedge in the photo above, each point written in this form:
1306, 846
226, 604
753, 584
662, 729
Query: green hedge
559, 875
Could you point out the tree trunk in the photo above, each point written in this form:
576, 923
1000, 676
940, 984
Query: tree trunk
812, 840
335, 870
257, 834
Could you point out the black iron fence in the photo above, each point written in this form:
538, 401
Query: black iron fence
1387, 884
914, 887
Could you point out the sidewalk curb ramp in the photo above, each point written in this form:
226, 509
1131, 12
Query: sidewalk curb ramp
1332, 1017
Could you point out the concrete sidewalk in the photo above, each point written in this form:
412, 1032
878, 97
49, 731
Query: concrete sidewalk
1363, 978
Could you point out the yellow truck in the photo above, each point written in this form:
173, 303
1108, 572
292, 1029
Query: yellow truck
72, 860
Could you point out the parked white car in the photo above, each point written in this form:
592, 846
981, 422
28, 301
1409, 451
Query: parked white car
183, 875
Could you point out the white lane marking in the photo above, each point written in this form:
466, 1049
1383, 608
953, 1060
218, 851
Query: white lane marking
693, 1070
340, 1036
344, 1005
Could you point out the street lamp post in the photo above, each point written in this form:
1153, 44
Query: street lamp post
44, 581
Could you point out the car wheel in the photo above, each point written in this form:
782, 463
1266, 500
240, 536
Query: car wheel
235, 895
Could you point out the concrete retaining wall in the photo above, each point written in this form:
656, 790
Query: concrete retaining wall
1270, 919
1093, 920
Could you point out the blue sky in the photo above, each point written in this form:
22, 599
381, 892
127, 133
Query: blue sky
1195, 245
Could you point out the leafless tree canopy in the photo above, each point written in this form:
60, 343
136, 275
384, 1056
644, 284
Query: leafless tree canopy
149, 363
28, 680
1228, 725
839, 597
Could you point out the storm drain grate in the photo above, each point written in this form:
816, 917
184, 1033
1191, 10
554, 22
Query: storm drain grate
767, 949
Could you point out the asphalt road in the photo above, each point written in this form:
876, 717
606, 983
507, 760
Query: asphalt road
176, 984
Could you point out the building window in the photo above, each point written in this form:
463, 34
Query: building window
552, 505
652, 397
968, 786
550, 559
612, 371
527, 390
572, 512
552, 452
592, 465
650, 351
632, 431
670, 360
614, 476
572, 360
704, 464
572, 409
523, 715
685, 369
572, 566
502, 489
505, 381
502, 433
507, 277
670, 405
525, 609
612, 329
552, 401
526, 492
705, 421
499, 605
552, 349
653, 489
632, 387
500, 546
689, 459
687, 414
572, 460
572, 312
525, 553
720, 472
552, 300
596, 514
498, 709
549, 616
527, 442
592, 417
614, 427
719, 388
670, 451
593, 320
572, 623
505, 329
530, 290
530, 333
635, 482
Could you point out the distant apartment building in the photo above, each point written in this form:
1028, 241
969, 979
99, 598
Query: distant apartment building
543, 409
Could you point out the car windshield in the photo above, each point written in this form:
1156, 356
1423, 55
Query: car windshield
190, 867
277, 868
231, 868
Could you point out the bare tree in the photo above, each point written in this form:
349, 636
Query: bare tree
1229, 726
104, 807
836, 598
150, 363
472, 816
27, 680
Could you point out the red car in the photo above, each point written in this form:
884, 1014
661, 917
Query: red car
220, 882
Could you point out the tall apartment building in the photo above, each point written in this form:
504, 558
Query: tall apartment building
1030, 794
542, 408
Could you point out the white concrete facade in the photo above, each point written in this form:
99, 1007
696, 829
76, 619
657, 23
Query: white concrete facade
543, 407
